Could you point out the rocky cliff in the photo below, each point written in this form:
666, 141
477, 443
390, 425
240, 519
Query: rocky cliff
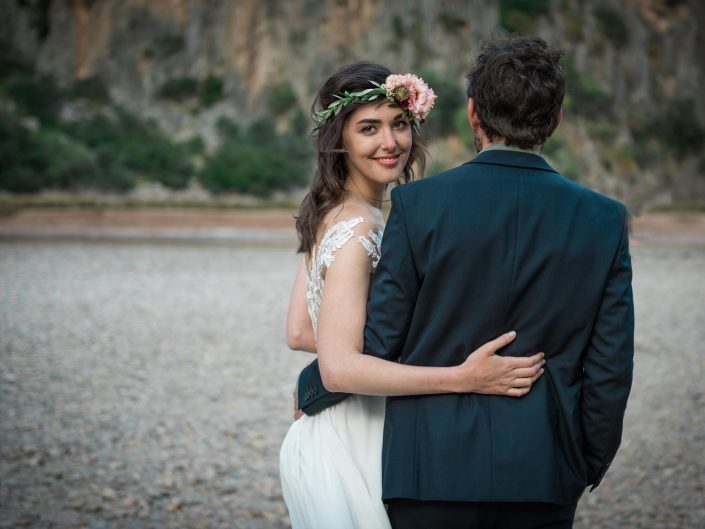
636, 68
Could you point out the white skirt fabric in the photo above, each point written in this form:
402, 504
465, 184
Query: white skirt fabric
331, 467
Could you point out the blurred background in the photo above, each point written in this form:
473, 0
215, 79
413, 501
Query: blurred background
152, 154
192, 100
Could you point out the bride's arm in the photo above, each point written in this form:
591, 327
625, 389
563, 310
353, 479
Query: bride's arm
344, 368
299, 330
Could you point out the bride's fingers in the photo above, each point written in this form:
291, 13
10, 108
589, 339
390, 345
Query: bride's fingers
525, 382
537, 375
526, 372
518, 362
517, 392
538, 358
495, 345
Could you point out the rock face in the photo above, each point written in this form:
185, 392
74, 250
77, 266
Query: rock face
137, 43
639, 54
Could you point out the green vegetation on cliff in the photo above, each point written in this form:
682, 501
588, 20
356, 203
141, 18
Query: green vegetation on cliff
75, 138
208, 91
256, 161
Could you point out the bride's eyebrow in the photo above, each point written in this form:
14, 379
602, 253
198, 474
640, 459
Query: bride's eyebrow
369, 121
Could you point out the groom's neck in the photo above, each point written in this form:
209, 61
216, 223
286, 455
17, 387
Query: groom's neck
485, 143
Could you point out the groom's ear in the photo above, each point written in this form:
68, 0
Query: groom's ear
472, 114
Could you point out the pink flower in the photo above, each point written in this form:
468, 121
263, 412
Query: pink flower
412, 94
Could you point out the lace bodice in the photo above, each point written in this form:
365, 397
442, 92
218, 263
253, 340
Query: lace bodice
323, 255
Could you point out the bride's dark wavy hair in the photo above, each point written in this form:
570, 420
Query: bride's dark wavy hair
327, 188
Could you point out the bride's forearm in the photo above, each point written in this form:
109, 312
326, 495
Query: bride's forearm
368, 375
299, 329
483, 371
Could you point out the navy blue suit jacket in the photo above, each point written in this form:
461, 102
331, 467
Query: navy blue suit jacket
501, 243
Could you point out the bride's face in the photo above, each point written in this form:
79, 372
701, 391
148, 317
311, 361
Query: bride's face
377, 140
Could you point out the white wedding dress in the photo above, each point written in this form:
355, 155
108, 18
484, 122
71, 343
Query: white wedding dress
331, 463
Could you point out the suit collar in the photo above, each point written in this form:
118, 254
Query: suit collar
512, 158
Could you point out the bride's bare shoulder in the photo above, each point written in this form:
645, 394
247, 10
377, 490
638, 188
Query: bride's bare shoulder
366, 218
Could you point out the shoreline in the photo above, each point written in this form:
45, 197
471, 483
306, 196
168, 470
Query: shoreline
276, 225
267, 225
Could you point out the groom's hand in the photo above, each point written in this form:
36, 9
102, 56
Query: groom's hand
297, 411
487, 373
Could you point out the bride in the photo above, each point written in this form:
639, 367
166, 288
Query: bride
367, 137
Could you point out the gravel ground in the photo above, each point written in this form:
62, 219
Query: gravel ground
147, 385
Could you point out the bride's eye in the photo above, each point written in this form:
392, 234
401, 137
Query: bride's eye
367, 129
401, 124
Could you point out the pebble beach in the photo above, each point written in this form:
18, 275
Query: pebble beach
145, 383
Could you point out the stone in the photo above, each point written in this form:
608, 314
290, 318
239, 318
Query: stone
108, 493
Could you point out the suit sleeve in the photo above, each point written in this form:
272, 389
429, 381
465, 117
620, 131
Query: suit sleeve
395, 289
312, 394
608, 366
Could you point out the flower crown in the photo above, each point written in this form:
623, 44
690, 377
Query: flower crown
410, 92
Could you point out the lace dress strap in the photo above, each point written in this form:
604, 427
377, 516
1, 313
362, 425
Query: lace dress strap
340, 233
334, 239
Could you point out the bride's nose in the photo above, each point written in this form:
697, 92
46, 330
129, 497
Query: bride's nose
389, 140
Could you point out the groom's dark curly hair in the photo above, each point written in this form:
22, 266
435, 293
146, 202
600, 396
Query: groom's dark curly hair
517, 86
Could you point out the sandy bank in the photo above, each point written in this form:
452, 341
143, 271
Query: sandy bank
269, 224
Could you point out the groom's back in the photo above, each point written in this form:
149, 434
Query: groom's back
501, 243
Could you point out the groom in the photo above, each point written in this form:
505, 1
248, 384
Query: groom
502, 242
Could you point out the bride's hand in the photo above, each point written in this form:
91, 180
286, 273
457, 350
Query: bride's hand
487, 373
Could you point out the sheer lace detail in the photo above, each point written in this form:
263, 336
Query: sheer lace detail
323, 256
372, 243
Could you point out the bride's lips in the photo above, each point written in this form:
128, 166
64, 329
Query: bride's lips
388, 161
